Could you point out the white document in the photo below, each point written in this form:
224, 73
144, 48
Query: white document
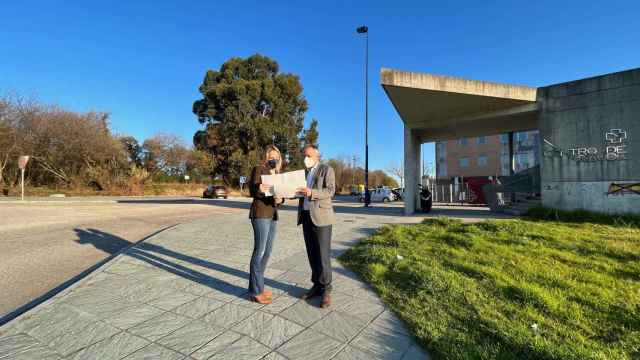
285, 185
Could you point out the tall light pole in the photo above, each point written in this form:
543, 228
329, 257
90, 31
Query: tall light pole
367, 196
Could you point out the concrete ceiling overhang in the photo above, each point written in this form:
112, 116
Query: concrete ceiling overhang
446, 108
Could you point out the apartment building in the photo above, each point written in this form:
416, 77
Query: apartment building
486, 155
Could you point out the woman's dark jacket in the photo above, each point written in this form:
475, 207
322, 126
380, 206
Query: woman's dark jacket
262, 207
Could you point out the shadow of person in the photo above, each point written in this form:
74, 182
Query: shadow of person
157, 256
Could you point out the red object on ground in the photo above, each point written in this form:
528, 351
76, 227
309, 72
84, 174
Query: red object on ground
475, 187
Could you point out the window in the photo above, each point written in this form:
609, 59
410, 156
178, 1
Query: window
462, 142
504, 138
464, 162
482, 140
522, 136
522, 161
482, 160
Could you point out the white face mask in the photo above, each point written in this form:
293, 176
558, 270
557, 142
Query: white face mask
309, 162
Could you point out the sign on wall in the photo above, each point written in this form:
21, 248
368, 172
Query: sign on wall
615, 148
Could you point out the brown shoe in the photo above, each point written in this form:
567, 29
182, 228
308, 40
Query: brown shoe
326, 300
262, 299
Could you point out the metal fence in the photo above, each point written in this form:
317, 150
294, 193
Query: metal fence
450, 193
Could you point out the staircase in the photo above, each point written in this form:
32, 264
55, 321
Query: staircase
523, 188
521, 205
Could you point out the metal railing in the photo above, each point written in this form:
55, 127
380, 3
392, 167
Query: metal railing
451, 193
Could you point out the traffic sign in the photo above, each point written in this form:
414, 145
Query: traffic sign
22, 164
22, 161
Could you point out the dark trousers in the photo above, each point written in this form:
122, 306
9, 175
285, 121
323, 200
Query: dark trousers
264, 233
318, 242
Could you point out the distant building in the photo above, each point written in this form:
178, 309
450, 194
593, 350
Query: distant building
486, 155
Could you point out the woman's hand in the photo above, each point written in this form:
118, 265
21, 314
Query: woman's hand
265, 188
305, 191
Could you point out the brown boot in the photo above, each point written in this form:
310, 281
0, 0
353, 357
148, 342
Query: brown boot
262, 299
326, 300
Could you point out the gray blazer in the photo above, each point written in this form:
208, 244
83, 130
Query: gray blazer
322, 190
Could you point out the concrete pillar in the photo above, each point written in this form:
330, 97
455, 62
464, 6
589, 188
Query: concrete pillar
411, 171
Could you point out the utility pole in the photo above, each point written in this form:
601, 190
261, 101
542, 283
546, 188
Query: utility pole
367, 195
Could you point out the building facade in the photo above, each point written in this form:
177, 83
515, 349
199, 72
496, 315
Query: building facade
589, 148
483, 156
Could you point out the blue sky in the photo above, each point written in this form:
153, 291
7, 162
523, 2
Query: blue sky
144, 60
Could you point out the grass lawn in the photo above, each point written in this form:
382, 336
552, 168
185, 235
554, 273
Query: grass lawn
511, 289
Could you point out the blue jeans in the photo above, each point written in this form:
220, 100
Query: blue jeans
264, 233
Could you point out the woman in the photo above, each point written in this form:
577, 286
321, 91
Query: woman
264, 219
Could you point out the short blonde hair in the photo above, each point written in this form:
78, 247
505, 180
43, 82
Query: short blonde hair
269, 149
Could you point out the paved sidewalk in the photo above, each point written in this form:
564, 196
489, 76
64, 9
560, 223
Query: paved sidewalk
182, 295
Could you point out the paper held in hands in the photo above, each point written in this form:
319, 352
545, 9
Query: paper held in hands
285, 185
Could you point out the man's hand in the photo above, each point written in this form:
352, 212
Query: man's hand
304, 191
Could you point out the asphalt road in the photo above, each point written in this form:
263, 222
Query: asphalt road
45, 243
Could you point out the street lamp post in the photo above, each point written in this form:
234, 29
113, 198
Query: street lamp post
367, 195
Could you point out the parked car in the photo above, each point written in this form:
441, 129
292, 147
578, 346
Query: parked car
382, 194
215, 191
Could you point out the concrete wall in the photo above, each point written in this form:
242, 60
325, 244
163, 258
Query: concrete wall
590, 133
412, 144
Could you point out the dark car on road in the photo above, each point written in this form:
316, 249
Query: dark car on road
215, 191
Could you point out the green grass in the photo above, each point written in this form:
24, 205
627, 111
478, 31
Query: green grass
511, 289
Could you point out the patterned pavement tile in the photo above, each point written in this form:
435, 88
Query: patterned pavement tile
340, 326
382, 342
155, 352
198, 308
271, 330
70, 342
172, 300
217, 345
279, 304
159, 326
243, 349
191, 337
310, 345
133, 316
274, 356
12, 344
304, 313
352, 353
113, 348
228, 315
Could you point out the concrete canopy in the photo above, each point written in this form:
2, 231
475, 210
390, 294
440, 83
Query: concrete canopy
446, 108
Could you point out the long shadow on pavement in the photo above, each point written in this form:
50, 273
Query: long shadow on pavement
145, 252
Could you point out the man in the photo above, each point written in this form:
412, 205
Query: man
315, 213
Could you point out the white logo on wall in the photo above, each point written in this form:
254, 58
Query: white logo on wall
615, 148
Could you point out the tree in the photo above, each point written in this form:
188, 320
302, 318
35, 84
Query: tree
246, 105
165, 154
8, 136
134, 150
397, 169
311, 135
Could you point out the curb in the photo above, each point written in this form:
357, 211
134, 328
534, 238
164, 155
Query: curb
74, 282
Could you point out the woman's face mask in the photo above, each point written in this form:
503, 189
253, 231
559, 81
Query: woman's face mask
272, 163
